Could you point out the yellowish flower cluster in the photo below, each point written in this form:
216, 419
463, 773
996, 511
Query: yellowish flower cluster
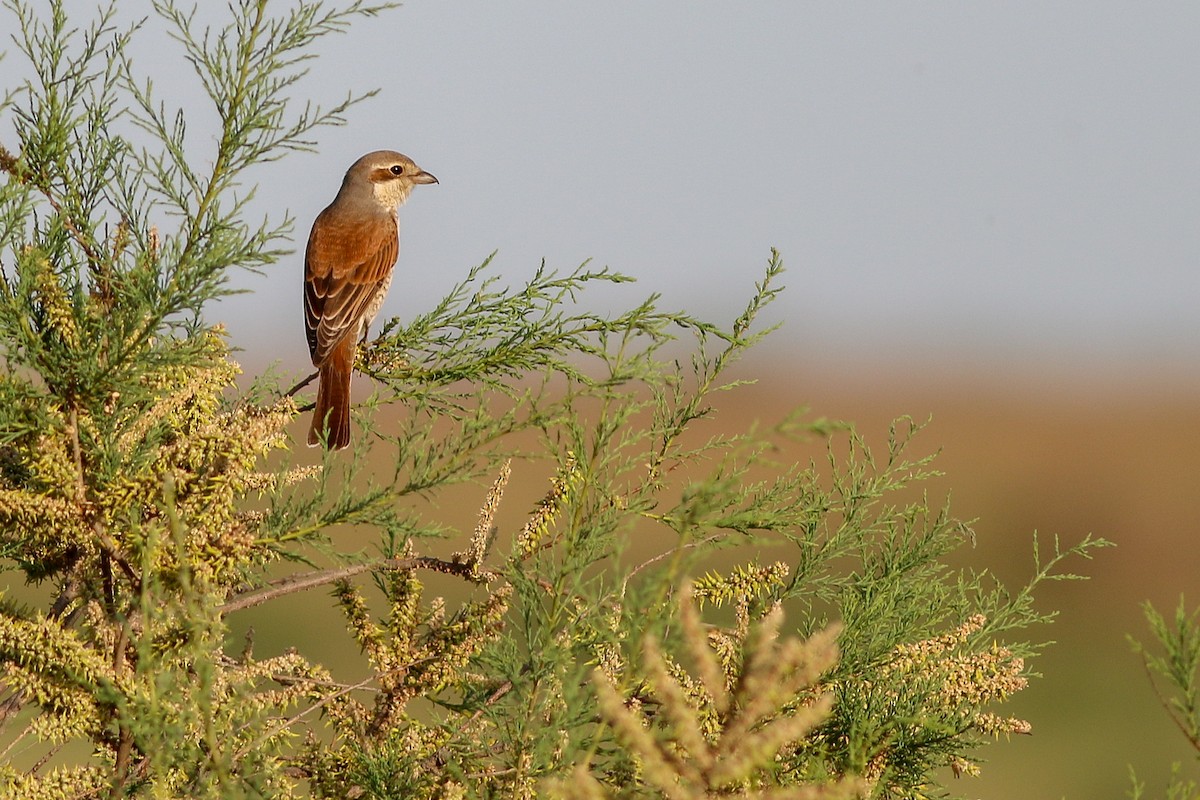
531, 537
695, 753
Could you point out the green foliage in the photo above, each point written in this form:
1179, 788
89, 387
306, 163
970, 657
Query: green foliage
153, 500
1175, 672
1177, 666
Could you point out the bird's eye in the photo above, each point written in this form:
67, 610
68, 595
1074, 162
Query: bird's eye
397, 169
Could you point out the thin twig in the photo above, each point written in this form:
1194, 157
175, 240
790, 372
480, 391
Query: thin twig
495, 773
438, 758
107, 545
494, 698
363, 344
324, 701
668, 553
308, 580
41, 762
125, 740
121, 768
291, 392
9, 164
283, 679
110, 549
70, 589
1167, 706
26, 731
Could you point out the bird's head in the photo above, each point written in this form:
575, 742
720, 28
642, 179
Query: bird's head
388, 176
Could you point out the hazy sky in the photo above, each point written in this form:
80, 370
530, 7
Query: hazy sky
1014, 179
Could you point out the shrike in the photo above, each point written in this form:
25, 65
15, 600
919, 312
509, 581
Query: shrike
348, 264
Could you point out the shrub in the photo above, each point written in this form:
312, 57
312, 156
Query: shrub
153, 497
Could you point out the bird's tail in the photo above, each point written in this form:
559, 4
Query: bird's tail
332, 412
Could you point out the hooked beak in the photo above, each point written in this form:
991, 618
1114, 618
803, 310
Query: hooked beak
424, 177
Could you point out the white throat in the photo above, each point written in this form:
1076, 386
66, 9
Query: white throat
391, 194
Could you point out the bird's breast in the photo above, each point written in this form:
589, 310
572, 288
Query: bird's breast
376, 302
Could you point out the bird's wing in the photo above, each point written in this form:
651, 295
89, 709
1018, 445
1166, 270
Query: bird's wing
345, 265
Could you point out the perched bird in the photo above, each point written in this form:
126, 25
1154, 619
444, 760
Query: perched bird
347, 270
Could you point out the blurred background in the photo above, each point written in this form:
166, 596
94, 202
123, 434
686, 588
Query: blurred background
989, 216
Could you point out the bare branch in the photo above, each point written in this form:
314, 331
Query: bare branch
309, 580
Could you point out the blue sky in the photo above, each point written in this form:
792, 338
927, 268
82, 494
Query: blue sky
1008, 180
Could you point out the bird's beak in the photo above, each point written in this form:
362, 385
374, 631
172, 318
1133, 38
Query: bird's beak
424, 177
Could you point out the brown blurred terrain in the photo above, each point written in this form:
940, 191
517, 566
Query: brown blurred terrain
1063, 452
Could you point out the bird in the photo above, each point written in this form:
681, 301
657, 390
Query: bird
348, 262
